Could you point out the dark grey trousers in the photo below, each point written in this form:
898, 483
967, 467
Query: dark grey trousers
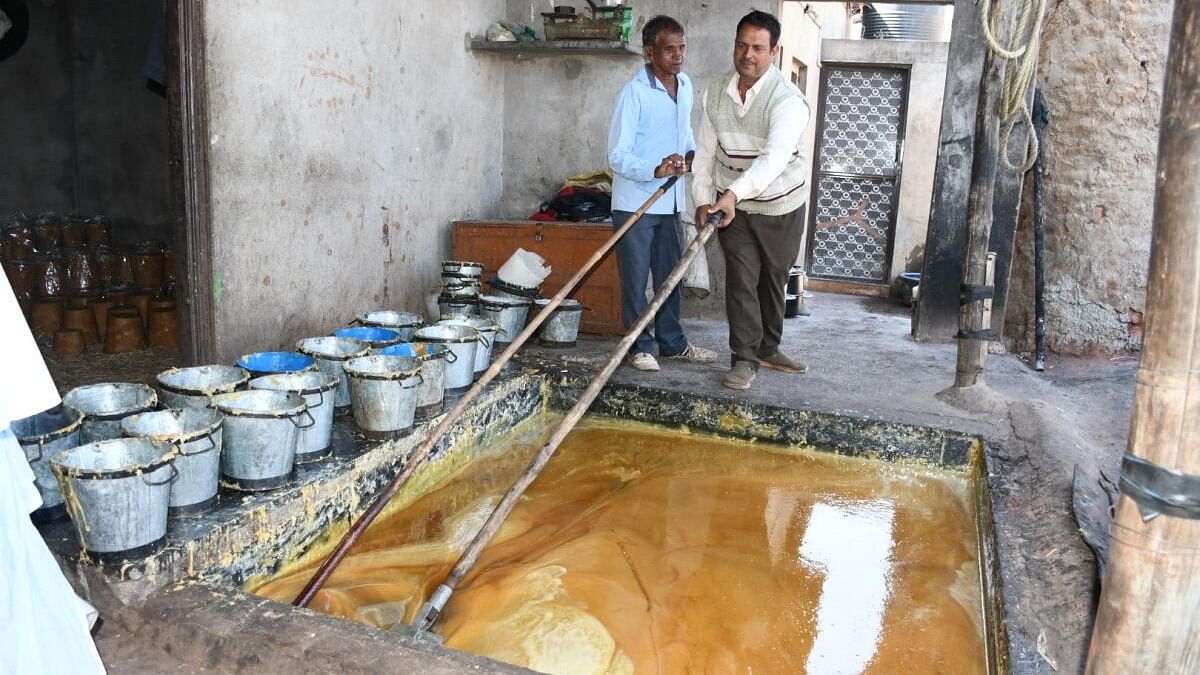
759, 250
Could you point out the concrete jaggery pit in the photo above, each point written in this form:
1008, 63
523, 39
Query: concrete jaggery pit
1047, 577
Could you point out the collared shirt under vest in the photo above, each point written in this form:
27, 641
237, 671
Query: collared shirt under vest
755, 148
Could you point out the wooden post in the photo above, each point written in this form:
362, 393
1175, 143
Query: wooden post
972, 353
1149, 615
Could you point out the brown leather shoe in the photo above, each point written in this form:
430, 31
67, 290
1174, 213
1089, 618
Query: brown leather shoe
740, 376
783, 362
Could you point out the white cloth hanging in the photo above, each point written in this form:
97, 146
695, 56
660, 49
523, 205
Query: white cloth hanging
44, 626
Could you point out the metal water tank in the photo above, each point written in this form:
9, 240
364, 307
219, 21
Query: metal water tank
891, 21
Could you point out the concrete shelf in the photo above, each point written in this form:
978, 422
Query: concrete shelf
555, 48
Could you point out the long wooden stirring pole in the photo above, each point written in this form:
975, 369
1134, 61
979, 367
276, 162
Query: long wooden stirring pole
418, 455
433, 607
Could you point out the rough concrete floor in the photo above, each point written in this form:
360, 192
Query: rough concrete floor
863, 363
1040, 427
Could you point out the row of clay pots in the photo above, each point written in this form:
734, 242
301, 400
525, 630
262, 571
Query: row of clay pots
49, 233
121, 328
79, 271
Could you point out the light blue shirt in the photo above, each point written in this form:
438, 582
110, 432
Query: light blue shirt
647, 125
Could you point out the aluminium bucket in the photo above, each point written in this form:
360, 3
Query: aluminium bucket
117, 492
449, 306
193, 387
104, 405
487, 337
384, 391
374, 336
503, 289
196, 433
261, 430
510, 313
317, 388
462, 341
331, 354
465, 269
403, 323
43, 436
434, 358
272, 363
562, 328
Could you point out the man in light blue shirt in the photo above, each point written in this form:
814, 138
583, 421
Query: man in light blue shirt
650, 139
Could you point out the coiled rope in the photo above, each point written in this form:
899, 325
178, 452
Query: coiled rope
1018, 74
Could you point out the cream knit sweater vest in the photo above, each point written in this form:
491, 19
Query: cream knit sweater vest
740, 140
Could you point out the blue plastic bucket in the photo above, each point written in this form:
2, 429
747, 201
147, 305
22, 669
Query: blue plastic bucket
272, 363
373, 335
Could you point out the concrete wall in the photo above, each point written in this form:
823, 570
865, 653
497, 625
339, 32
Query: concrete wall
81, 132
1101, 71
342, 146
926, 85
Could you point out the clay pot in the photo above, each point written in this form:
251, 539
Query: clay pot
48, 276
81, 277
124, 334
163, 329
21, 236
45, 317
72, 233
77, 302
123, 270
147, 263
107, 262
69, 342
47, 233
82, 319
141, 300
96, 232
20, 275
100, 310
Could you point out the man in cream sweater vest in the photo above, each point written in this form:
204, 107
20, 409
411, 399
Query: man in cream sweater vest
750, 164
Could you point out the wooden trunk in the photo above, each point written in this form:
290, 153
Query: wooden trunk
565, 246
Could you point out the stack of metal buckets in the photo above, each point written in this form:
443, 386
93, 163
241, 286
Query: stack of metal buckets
462, 284
123, 460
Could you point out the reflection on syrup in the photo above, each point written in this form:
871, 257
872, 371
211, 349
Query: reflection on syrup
639, 550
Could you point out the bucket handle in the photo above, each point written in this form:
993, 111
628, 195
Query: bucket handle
212, 445
320, 401
311, 422
451, 357
174, 475
40, 442
487, 344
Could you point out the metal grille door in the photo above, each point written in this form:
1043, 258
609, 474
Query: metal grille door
859, 145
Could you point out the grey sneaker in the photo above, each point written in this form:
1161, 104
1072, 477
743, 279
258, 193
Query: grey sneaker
644, 361
694, 354
785, 363
740, 376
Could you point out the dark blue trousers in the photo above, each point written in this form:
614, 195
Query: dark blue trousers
650, 248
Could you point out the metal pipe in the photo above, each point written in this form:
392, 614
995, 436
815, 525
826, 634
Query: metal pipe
1148, 619
431, 609
422, 451
1041, 117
